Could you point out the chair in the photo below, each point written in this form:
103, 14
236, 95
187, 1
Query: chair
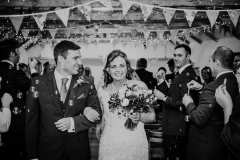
155, 145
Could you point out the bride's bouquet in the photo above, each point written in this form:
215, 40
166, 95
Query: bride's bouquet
130, 99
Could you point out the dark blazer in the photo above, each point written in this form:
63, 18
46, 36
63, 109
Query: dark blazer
163, 87
146, 77
43, 139
16, 83
170, 77
173, 114
207, 118
34, 75
231, 133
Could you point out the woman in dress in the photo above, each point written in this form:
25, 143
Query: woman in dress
116, 141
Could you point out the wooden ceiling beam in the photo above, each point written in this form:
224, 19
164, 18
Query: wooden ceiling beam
170, 3
211, 36
196, 39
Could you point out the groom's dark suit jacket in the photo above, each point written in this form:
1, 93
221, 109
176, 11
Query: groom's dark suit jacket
43, 139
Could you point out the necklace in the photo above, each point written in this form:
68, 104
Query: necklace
120, 87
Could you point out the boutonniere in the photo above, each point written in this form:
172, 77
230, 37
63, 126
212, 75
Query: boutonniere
80, 81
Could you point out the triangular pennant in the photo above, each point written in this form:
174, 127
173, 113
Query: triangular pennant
25, 33
146, 10
53, 32
160, 35
174, 35
63, 15
155, 44
86, 11
67, 32
40, 19
234, 15
125, 6
111, 40
190, 15
168, 14
146, 33
212, 16
106, 3
16, 21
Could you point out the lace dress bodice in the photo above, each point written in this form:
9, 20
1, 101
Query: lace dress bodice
117, 142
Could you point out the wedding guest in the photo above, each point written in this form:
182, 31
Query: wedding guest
116, 141
206, 74
5, 114
162, 86
175, 127
88, 71
48, 68
207, 117
16, 83
81, 69
58, 110
144, 75
171, 67
231, 130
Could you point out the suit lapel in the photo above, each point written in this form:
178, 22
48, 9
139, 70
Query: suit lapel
52, 88
72, 94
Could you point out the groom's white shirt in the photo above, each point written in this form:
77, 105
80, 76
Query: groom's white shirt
58, 78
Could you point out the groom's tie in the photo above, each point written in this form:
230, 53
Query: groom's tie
63, 90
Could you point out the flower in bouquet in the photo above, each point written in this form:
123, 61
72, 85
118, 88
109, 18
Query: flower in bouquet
132, 98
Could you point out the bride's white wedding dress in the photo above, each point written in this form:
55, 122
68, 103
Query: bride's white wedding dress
117, 142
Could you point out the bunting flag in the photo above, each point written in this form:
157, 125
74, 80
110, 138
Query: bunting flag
63, 15
212, 16
67, 32
40, 19
25, 33
155, 44
146, 33
234, 15
16, 21
125, 6
190, 15
86, 11
146, 10
160, 35
174, 35
53, 32
168, 14
111, 40
106, 3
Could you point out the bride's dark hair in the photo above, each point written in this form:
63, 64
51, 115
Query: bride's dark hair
114, 54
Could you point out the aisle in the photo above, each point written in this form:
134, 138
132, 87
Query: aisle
94, 143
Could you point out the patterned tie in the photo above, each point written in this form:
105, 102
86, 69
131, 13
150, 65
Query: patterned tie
63, 90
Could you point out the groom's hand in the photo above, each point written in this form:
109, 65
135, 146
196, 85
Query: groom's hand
63, 124
91, 114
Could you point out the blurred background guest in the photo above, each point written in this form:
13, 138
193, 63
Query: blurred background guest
48, 68
81, 69
171, 67
162, 86
207, 76
88, 71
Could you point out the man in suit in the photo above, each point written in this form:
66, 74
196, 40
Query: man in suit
58, 108
171, 66
144, 75
16, 83
175, 127
207, 117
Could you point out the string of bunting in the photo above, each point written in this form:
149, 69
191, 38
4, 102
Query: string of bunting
85, 9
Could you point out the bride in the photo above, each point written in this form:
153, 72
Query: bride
117, 142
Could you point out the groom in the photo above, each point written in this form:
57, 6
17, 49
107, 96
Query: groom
57, 110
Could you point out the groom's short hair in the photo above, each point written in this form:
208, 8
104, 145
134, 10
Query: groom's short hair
61, 49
